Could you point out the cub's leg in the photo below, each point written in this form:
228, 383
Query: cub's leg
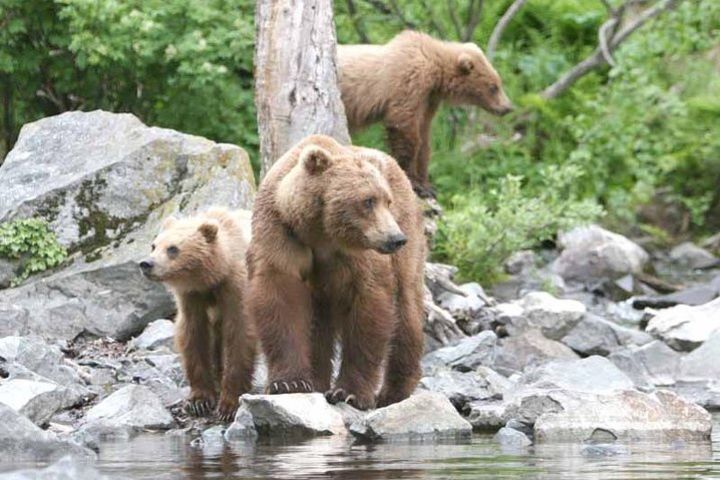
192, 340
238, 340
323, 346
280, 306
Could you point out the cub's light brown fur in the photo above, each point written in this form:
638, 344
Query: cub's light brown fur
207, 276
322, 217
402, 84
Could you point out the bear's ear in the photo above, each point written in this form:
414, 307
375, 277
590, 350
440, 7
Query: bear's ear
168, 222
209, 230
315, 159
465, 63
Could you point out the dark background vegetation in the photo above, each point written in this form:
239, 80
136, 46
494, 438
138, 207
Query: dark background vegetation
637, 144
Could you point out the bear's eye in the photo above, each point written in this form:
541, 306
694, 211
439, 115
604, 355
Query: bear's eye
172, 252
494, 89
369, 203
152, 247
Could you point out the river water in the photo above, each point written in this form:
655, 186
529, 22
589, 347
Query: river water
158, 457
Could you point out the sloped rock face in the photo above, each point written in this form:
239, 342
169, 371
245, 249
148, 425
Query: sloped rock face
104, 182
685, 328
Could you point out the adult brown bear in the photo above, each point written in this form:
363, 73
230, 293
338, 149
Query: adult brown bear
338, 251
402, 84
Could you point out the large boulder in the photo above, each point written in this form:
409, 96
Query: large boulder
594, 335
104, 182
684, 327
33, 354
528, 349
649, 365
689, 255
37, 400
465, 356
553, 316
592, 253
703, 363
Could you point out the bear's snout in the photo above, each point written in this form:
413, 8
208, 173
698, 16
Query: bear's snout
146, 266
393, 243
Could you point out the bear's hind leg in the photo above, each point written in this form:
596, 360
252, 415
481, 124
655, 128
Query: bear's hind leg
323, 347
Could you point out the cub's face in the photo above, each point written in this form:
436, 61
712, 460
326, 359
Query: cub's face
476, 82
181, 251
356, 201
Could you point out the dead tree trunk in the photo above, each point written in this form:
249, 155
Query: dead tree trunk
296, 90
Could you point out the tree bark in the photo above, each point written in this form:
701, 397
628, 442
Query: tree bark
296, 91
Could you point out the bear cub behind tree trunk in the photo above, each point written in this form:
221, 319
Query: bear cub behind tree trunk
402, 84
338, 252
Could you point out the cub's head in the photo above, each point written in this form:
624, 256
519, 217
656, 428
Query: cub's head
473, 80
186, 254
342, 198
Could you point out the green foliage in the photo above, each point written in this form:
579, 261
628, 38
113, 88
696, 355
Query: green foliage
484, 227
32, 242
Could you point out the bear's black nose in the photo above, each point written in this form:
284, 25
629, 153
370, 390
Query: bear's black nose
394, 243
146, 265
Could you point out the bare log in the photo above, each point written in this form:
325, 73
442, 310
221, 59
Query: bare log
296, 90
500, 27
601, 54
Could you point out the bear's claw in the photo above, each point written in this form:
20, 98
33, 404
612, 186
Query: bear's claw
225, 411
199, 407
338, 395
290, 386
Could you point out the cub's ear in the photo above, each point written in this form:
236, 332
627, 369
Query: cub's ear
315, 159
465, 63
168, 222
209, 230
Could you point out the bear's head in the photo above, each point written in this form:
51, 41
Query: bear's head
340, 199
187, 254
473, 80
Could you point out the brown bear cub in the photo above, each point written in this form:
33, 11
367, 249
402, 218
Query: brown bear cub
402, 84
201, 260
338, 252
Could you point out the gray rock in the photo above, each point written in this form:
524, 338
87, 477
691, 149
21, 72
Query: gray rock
7, 272
509, 437
21, 440
603, 450
466, 355
484, 415
159, 333
127, 411
459, 387
695, 295
703, 363
297, 414
593, 253
554, 317
704, 393
423, 416
37, 400
67, 468
38, 357
104, 182
684, 327
514, 354
242, 428
591, 375
594, 335
653, 364
689, 255
467, 307
520, 262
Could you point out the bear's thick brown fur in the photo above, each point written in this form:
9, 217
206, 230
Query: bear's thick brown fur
201, 260
402, 84
338, 252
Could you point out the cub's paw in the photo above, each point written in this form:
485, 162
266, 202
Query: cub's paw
337, 395
225, 411
200, 405
289, 386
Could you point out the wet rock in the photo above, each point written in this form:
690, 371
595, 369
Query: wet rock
297, 414
593, 253
37, 356
554, 317
703, 363
509, 437
465, 356
603, 450
625, 416
159, 333
691, 256
459, 387
653, 364
242, 428
514, 354
424, 415
104, 182
67, 468
21, 440
486, 415
37, 400
686, 328
127, 411
594, 335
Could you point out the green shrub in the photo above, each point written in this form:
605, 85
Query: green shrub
32, 242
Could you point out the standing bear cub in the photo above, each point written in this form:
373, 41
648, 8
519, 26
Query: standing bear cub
338, 252
402, 84
201, 260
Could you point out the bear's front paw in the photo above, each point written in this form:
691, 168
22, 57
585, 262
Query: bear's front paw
361, 402
200, 405
225, 411
289, 386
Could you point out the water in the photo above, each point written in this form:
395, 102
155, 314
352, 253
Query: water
158, 457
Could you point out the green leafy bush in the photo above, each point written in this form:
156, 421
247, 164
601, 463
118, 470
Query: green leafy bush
32, 242
483, 228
